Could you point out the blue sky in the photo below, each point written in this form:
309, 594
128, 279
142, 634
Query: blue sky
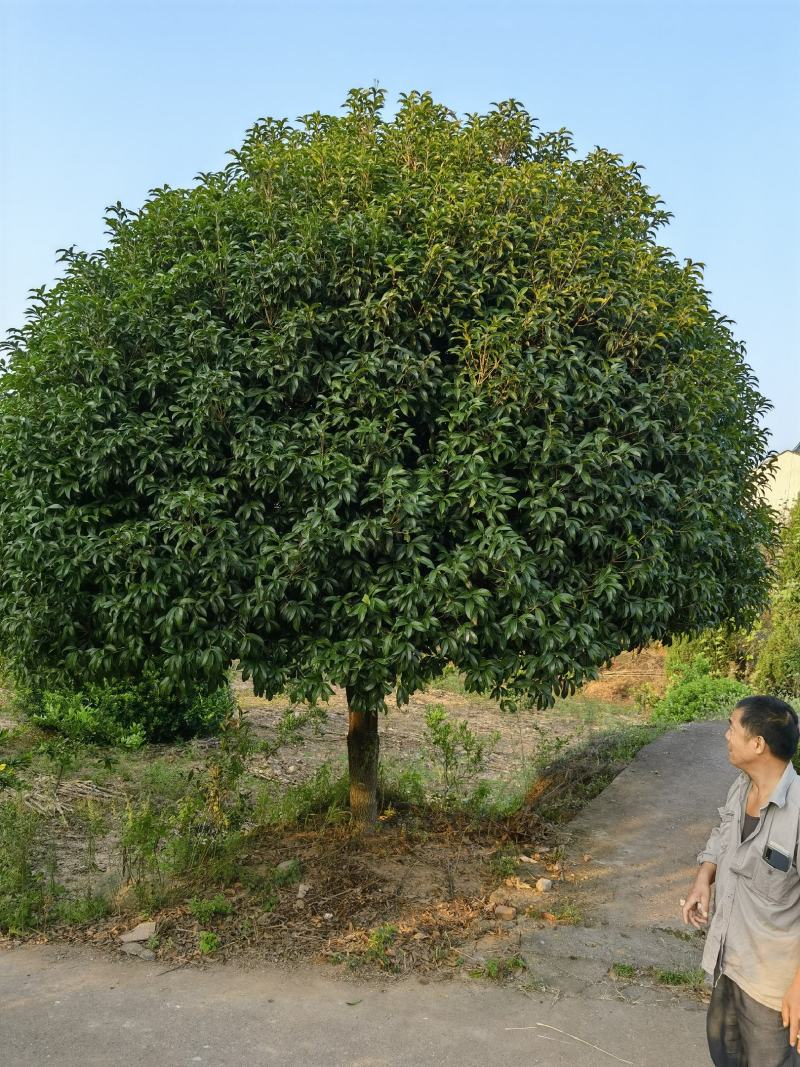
99, 102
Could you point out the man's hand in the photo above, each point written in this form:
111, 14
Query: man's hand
697, 903
790, 1012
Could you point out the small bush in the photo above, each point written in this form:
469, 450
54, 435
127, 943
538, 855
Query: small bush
207, 942
290, 874
126, 714
401, 785
457, 754
206, 910
379, 947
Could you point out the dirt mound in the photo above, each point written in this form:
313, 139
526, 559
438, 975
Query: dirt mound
628, 673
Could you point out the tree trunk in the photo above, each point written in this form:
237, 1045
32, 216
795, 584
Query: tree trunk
362, 756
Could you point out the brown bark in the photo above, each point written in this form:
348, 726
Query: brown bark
363, 746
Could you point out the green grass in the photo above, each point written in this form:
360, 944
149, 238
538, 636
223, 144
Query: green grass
496, 969
622, 970
567, 913
505, 864
693, 980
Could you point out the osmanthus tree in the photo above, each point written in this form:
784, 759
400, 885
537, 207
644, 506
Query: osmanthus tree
380, 396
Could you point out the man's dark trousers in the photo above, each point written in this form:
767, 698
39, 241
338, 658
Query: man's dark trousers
743, 1033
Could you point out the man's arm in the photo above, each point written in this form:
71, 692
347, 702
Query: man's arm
790, 1011
697, 903
790, 1008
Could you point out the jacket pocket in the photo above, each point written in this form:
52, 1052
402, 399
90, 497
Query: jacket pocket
772, 884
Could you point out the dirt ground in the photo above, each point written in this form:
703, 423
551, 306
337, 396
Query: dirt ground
408, 899
607, 702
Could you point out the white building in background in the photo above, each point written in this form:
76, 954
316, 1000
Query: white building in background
784, 488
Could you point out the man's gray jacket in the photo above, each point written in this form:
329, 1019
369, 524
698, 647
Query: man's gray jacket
754, 936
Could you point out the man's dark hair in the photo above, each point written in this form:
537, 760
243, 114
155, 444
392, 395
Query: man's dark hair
774, 720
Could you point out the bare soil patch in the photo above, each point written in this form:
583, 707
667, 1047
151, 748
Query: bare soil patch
418, 895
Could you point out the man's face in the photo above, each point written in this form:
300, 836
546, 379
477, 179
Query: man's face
742, 746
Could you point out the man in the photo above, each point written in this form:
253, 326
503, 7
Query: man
752, 950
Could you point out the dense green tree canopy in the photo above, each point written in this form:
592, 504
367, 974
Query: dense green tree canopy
379, 396
778, 667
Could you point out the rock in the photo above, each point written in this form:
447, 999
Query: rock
134, 949
285, 865
302, 890
543, 884
328, 916
504, 911
142, 932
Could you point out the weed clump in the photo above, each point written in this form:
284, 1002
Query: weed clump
206, 910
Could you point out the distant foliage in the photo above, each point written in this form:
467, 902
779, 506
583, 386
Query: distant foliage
728, 651
380, 396
778, 667
127, 715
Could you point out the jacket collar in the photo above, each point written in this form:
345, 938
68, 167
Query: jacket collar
781, 790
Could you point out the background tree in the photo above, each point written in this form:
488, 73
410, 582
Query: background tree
380, 396
778, 667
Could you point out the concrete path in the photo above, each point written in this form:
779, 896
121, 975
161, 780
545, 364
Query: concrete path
643, 834
645, 830
68, 1007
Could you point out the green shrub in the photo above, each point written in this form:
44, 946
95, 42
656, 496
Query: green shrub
699, 695
401, 784
206, 910
207, 942
287, 874
126, 714
457, 754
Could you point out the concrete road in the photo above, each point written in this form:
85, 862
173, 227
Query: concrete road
71, 1008
644, 831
